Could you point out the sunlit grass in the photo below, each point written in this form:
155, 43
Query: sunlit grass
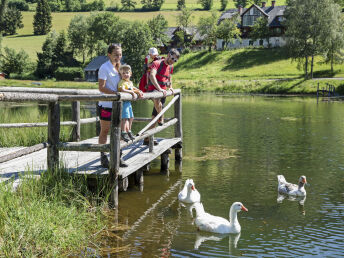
54, 216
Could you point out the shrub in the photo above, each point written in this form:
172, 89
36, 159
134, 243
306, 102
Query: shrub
55, 6
68, 73
114, 7
93, 6
18, 4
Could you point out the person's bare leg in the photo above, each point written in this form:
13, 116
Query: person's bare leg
130, 122
104, 130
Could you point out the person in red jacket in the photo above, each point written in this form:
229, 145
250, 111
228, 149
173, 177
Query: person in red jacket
152, 56
160, 80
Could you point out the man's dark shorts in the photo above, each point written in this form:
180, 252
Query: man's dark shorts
105, 113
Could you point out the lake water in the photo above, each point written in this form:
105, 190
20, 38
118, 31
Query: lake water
233, 148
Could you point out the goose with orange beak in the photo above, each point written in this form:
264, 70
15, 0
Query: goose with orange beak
190, 195
207, 222
292, 189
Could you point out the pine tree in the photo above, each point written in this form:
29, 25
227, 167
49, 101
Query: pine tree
223, 4
128, 4
42, 18
180, 4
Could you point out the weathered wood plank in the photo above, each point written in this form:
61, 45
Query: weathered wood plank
30, 97
76, 119
39, 124
158, 116
53, 135
23, 152
58, 91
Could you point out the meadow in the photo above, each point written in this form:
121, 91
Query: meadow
24, 39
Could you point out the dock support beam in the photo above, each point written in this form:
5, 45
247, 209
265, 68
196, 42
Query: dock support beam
76, 118
165, 162
115, 136
178, 132
53, 135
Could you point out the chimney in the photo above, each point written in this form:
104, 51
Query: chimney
263, 4
240, 9
273, 3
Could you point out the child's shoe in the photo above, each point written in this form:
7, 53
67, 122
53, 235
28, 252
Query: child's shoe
125, 137
131, 136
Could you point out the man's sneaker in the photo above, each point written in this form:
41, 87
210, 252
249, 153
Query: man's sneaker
125, 137
122, 164
104, 161
131, 136
146, 142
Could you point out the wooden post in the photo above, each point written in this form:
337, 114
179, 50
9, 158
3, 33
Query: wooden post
76, 118
318, 93
139, 179
115, 136
178, 130
53, 135
165, 161
151, 143
123, 184
97, 122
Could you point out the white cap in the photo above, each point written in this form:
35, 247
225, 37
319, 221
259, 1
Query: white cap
153, 51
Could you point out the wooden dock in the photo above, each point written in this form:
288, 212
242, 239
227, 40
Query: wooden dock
83, 157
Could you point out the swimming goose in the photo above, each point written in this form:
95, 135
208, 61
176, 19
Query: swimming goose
189, 194
207, 222
292, 189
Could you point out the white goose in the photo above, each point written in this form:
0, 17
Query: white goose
189, 194
207, 222
292, 189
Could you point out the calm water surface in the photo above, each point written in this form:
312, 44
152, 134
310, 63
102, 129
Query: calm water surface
234, 147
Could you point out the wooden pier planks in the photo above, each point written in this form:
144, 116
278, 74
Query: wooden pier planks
136, 156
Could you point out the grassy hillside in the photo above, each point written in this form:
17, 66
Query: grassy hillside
33, 44
242, 70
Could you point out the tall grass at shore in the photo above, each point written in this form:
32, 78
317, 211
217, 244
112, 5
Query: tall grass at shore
54, 216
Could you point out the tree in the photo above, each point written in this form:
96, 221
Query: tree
228, 30
45, 58
207, 28
180, 4
154, 5
256, 2
135, 44
158, 26
128, 4
3, 5
260, 30
335, 41
11, 21
77, 34
42, 18
242, 3
184, 19
206, 4
13, 62
223, 5
59, 52
308, 32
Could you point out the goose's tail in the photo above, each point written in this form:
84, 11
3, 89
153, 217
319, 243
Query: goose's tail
281, 180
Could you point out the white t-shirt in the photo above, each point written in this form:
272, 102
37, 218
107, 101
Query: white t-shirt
108, 73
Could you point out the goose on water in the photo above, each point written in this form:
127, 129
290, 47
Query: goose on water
207, 222
292, 189
189, 194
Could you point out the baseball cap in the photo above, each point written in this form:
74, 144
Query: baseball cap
153, 51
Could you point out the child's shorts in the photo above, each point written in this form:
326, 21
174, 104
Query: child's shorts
127, 111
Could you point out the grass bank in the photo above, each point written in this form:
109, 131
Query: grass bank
251, 70
54, 216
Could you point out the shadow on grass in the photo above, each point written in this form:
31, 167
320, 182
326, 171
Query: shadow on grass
254, 57
198, 60
271, 88
324, 74
23, 36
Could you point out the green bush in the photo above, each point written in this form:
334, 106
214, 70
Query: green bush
68, 73
18, 4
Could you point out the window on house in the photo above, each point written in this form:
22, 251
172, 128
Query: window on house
261, 42
250, 17
250, 43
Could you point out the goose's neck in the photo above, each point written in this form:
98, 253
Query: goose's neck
233, 217
188, 193
301, 185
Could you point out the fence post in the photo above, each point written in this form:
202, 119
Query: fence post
76, 118
97, 122
115, 137
178, 131
53, 135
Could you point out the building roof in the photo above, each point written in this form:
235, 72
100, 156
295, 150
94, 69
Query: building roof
271, 12
189, 31
96, 63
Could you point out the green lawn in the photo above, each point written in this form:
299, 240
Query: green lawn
33, 44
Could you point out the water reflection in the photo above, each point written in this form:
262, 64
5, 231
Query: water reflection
300, 199
202, 237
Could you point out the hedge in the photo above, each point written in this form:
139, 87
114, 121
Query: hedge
69, 73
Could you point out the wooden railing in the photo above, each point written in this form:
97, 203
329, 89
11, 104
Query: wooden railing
54, 96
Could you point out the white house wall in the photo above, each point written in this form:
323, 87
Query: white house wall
274, 42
